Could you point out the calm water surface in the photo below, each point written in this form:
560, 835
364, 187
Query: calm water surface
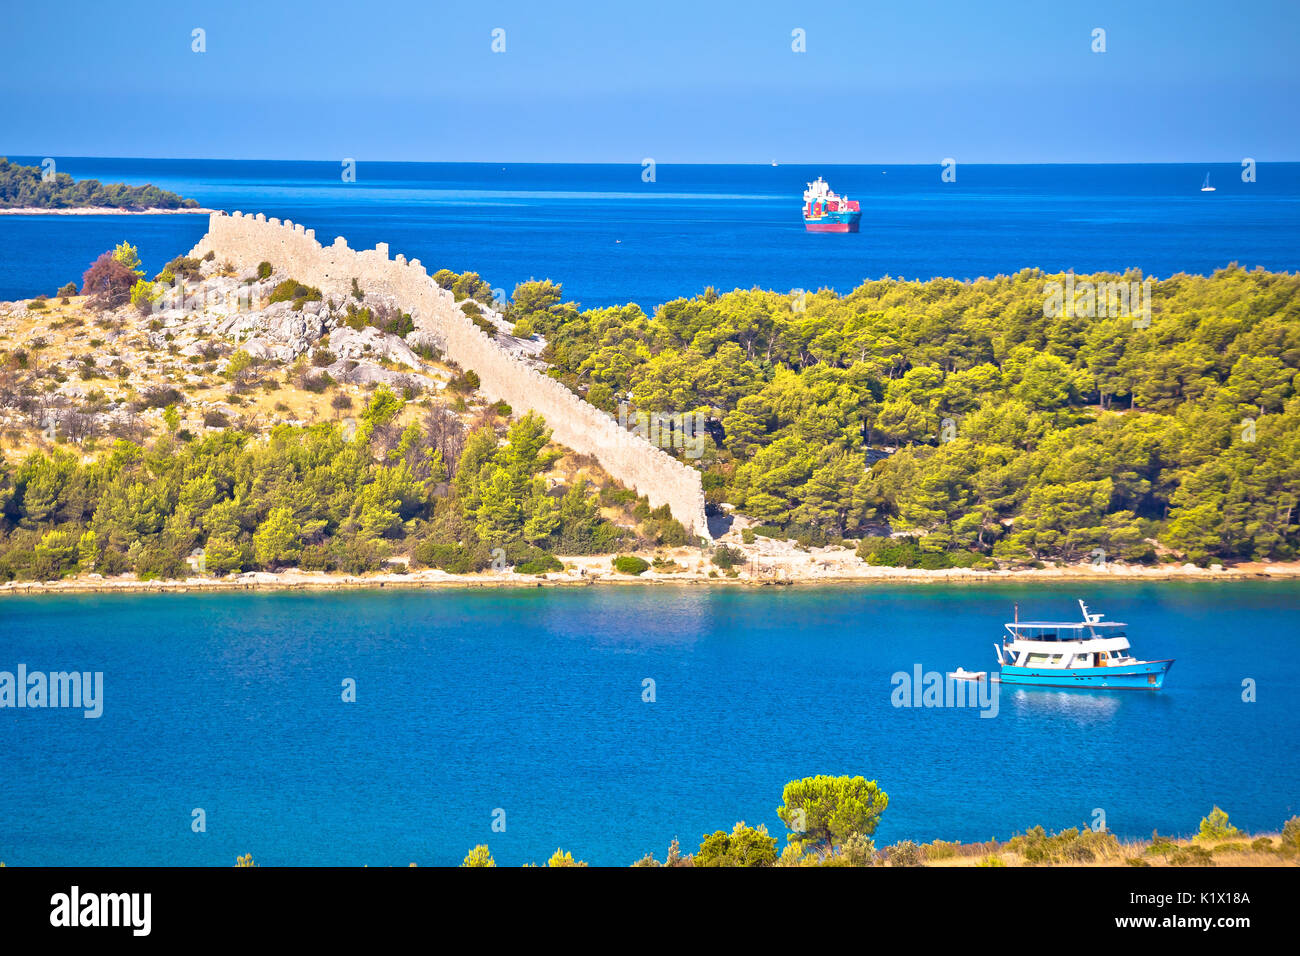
530, 700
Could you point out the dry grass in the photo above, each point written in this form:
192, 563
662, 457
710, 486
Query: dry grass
1221, 853
57, 338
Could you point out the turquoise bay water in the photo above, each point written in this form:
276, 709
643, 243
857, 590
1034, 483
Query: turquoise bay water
530, 700
610, 237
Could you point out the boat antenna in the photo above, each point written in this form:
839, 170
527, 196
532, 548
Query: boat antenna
1017, 615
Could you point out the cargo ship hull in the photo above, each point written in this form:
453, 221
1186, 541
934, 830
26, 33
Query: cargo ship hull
834, 222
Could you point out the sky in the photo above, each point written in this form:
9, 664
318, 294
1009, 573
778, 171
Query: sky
678, 82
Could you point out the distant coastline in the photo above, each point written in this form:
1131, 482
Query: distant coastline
41, 190
102, 211
591, 571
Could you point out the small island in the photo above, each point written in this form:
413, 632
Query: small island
24, 191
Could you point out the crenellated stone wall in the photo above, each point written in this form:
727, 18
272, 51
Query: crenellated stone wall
246, 240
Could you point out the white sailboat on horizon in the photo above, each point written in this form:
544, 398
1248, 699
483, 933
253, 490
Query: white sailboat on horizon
1205, 186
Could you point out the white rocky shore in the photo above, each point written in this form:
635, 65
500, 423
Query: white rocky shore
780, 563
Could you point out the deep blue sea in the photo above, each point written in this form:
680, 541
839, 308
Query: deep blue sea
530, 701
611, 237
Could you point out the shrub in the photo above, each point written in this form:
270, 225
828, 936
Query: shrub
264, 270
727, 558
1291, 833
1190, 856
468, 285
904, 853
743, 846
611, 496
392, 321
317, 383
1072, 845
452, 558
358, 318
968, 559
1216, 827
890, 552
935, 560
665, 531
161, 396
238, 363
108, 282
630, 564
67, 289
215, 419
479, 856
540, 565
563, 858
291, 290
143, 296
1230, 848
184, 266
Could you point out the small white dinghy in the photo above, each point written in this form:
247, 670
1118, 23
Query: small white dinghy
962, 674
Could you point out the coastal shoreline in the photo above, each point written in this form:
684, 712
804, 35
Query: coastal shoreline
435, 580
102, 211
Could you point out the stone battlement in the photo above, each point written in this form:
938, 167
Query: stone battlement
246, 240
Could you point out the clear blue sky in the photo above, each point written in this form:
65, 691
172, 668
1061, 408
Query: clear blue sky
905, 82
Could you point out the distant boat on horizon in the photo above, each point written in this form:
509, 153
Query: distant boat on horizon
1205, 186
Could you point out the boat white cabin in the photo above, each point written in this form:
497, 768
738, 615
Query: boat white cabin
1091, 642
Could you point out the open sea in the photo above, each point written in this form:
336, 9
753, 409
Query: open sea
610, 237
530, 702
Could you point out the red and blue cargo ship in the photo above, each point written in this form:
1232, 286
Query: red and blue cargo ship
824, 211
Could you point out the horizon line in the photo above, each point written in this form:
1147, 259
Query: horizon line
635, 163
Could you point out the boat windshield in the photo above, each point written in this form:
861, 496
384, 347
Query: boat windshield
1059, 631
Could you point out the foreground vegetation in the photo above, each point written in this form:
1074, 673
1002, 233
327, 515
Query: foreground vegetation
24, 187
832, 819
965, 415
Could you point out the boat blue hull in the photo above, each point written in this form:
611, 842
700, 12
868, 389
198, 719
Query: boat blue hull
1146, 676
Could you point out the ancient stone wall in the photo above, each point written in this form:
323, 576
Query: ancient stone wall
246, 240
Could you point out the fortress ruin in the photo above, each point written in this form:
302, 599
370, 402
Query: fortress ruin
247, 240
